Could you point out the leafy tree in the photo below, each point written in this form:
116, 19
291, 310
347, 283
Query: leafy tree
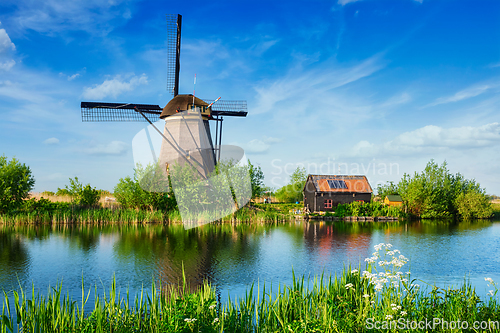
388, 188
16, 181
62, 192
436, 193
293, 191
82, 195
256, 180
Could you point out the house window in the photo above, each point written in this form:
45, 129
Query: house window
328, 203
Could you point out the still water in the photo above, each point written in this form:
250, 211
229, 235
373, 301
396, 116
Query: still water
232, 257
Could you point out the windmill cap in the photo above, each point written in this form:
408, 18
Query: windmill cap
180, 103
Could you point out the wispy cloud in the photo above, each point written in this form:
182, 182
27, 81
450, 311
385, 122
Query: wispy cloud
464, 94
114, 87
315, 82
345, 2
55, 16
75, 75
112, 148
397, 100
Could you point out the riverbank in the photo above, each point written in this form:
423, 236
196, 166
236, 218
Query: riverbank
380, 298
65, 213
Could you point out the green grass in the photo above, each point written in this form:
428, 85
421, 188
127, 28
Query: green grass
348, 302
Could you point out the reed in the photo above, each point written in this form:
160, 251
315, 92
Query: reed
352, 301
70, 215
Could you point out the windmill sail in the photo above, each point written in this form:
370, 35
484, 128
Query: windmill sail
174, 23
100, 111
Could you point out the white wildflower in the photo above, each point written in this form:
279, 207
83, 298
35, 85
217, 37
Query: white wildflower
490, 280
403, 313
490, 293
216, 320
388, 317
366, 296
211, 306
349, 285
354, 271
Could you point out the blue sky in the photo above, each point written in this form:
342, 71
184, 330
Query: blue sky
368, 87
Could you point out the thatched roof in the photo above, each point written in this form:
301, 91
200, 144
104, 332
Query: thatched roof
180, 103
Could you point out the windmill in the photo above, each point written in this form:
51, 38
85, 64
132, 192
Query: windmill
186, 140
186, 136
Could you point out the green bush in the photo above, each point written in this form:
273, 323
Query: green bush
373, 208
16, 182
43, 205
473, 205
82, 195
130, 194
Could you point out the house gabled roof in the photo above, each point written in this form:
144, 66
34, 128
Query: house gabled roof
394, 198
353, 184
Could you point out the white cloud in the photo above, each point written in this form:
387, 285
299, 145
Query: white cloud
6, 46
5, 42
51, 141
457, 137
114, 87
345, 2
7, 65
431, 138
464, 94
271, 140
363, 148
74, 76
112, 148
256, 146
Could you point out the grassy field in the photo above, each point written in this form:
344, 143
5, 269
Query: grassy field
104, 201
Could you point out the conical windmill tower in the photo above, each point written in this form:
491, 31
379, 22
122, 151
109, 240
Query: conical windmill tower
187, 138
